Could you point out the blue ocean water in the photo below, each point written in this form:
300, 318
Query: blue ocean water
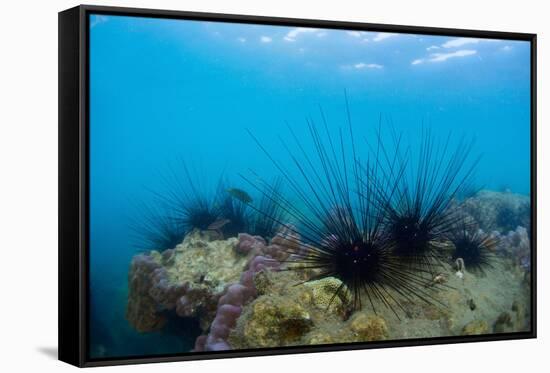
164, 90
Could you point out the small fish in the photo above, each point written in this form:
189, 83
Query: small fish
239, 194
218, 224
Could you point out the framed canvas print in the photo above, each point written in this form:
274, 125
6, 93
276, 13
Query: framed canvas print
237, 186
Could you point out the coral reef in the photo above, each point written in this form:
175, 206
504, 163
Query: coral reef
203, 278
275, 321
241, 298
373, 221
470, 305
515, 244
501, 211
294, 313
188, 279
249, 243
507, 217
329, 294
237, 295
141, 310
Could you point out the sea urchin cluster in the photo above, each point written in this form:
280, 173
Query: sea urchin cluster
187, 204
340, 213
376, 223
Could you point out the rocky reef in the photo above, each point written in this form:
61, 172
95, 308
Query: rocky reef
516, 246
499, 211
287, 314
242, 299
506, 216
203, 278
266, 258
188, 279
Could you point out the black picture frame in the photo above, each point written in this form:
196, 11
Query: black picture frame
74, 187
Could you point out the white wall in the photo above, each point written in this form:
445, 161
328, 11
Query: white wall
28, 184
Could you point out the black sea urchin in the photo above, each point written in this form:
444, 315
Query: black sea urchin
419, 210
473, 246
265, 218
224, 211
155, 228
237, 213
194, 206
339, 221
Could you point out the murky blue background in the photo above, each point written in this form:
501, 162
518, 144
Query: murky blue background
161, 90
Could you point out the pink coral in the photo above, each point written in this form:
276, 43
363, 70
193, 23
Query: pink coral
238, 294
248, 243
285, 243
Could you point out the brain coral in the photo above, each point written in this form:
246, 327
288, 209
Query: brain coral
329, 294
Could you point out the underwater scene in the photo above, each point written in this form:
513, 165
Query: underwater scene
257, 186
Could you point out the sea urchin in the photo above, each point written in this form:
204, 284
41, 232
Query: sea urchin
473, 246
419, 212
339, 220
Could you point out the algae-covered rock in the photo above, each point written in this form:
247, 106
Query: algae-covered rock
188, 279
263, 323
206, 264
368, 327
141, 310
271, 322
503, 323
476, 327
263, 282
